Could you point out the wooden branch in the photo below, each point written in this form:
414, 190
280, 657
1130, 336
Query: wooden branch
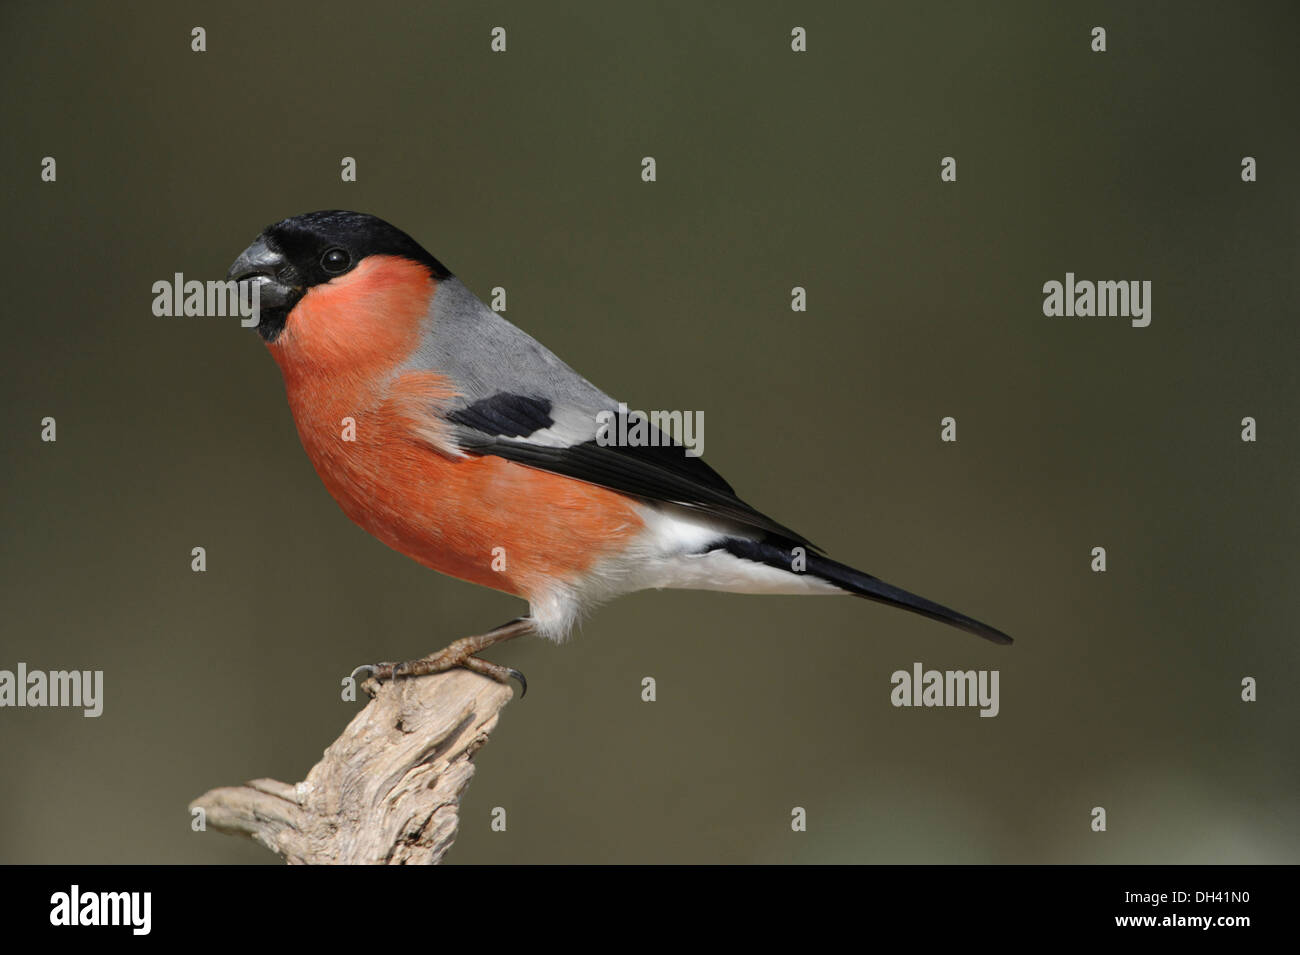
387, 791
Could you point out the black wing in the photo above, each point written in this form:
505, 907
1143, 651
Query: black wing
501, 425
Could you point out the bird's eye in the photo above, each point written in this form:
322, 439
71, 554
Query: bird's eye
335, 261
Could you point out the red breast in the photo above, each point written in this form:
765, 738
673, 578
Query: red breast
482, 519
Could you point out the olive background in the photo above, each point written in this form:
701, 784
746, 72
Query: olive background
775, 169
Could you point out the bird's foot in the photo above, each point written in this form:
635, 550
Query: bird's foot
459, 654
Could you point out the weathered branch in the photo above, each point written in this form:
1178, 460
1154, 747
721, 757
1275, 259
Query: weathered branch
387, 791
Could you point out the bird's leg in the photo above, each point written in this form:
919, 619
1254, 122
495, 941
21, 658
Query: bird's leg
461, 654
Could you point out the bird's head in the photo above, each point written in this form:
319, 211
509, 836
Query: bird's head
337, 285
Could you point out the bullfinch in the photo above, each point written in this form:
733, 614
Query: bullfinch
477, 452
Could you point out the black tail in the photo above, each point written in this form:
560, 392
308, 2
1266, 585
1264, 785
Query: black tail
856, 582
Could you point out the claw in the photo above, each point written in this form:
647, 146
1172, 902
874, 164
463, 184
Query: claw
377, 671
523, 684
370, 669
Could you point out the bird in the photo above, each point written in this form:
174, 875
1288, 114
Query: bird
477, 452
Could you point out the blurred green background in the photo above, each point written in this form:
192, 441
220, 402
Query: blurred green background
820, 169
